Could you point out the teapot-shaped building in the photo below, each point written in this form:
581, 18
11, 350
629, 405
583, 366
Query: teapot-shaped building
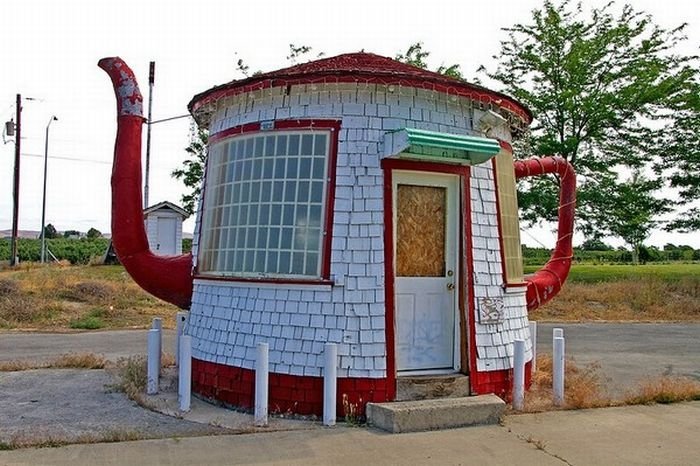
354, 200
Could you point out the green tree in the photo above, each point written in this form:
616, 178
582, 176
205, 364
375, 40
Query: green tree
604, 86
415, 55
680, 159
192, 169
630, 210
50, 232
94, 233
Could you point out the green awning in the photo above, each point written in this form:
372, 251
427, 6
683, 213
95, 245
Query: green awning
443, 147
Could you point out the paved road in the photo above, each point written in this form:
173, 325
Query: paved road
630, 352
111, 344
627, 352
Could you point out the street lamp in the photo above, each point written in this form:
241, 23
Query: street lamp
43, 205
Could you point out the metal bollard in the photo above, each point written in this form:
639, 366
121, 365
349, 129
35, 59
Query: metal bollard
330, 383
153, 365
261, 384
180, 320
558, 367
533, 338
184, 388
157, 324
518, 374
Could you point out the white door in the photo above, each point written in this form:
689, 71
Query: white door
425, 269
167, 235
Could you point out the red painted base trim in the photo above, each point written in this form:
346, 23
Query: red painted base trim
498, 382
288, 393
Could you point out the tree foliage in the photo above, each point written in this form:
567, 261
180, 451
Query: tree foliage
604, 87
192, 169
94, 233
50, 232
415, 55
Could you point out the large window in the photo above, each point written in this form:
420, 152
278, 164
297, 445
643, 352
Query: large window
264, 205
509, 223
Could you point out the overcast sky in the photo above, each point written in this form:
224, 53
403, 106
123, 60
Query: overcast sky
50, 49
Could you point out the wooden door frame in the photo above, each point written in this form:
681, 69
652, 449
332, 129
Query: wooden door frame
465, 267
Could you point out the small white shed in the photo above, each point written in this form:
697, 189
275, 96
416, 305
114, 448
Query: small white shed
164, 228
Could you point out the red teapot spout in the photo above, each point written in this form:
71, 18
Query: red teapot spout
166, 277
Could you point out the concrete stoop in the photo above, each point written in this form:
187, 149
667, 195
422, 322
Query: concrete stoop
432, 386
443, 413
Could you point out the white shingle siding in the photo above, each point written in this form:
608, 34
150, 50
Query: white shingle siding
228, 319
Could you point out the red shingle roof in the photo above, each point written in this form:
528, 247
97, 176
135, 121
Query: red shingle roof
360, 67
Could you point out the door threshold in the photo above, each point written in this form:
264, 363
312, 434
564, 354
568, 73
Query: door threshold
426, 372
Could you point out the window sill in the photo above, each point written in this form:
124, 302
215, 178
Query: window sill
275, 283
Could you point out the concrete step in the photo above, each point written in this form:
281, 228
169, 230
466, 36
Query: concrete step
432, 386
442, 413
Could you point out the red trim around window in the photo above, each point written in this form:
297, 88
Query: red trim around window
389, 165
285, 125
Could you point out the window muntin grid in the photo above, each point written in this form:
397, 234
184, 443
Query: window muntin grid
264, 205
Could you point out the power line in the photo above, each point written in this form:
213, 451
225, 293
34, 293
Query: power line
72, 159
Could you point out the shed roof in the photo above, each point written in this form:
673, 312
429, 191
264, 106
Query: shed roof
359, 67
166, 205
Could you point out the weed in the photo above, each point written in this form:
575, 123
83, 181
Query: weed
90, 321
64, 361
89, 291
132, 375
583, 386
8, 287
664, 389
32, 440
353, 412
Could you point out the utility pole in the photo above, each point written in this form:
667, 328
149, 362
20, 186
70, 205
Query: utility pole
15, 187
151, 80
43, 202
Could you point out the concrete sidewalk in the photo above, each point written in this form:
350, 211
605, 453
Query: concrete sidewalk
639, 435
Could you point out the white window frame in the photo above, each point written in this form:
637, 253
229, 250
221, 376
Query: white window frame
293, 198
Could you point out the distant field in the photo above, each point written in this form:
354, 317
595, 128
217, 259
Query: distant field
655, 292
92, 297
589, 273
57, 297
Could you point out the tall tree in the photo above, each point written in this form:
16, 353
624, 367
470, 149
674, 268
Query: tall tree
192, 169
603, 87
630, 210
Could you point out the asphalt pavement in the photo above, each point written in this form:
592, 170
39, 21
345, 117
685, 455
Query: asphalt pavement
629, 353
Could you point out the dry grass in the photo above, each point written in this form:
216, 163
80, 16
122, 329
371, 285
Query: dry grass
58, 296
36, 440
644, 299
584, 388
132, 376
64, 361
664, 389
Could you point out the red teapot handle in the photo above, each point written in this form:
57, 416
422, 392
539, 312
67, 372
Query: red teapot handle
544, 284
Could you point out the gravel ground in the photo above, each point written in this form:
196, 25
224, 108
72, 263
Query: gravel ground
68, 405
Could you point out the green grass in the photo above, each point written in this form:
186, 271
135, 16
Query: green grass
588, 273
91, 321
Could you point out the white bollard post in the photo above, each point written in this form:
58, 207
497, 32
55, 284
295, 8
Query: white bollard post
533, 337
180, 320
184, 383
558, 366
153, 364
330, 383
518, 375
557, 333
261, 384
157, 324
